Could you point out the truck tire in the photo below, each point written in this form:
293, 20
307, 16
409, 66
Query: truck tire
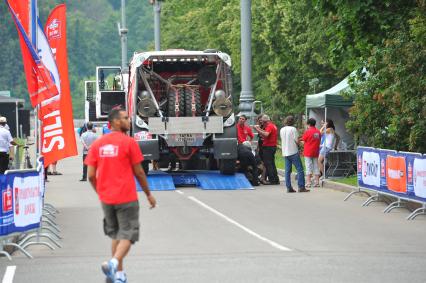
173, 95
188, 102
227, 166
145, 166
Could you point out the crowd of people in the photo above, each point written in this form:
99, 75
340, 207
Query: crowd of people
256, 158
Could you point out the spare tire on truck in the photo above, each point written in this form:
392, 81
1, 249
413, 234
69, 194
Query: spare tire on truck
176, 94
190, 111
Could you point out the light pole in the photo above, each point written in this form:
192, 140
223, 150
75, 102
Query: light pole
122, 31
246, 96
157, 11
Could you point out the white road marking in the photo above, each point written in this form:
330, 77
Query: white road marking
9, 274
242, 227
179, 192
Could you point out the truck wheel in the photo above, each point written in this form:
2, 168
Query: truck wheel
145, 166
177, 93
188, 102
227, 166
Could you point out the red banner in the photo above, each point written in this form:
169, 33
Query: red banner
58, 136
39, 82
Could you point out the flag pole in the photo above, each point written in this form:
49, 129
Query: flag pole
33, 31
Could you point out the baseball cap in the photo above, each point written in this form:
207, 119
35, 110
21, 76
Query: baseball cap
3, 120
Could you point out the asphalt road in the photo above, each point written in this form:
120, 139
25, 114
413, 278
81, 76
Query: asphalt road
264, 235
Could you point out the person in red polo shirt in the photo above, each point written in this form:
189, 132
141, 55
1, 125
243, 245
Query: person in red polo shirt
244, 133
113, 161
311, 139
269, 133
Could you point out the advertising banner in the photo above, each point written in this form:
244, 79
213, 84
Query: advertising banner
390, 171
396, 173
21, 205
419, 176
368, 167
39, 82
58, 125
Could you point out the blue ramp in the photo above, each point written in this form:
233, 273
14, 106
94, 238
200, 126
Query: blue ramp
158, 181
213, 180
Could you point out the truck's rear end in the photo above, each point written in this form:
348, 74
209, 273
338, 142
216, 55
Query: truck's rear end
181, 108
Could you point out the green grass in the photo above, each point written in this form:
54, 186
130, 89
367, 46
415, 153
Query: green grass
352, 181
279, 161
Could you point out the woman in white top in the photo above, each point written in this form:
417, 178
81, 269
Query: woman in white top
329, 140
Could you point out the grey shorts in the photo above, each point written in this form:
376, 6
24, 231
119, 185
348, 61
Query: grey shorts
121, 221
311, 164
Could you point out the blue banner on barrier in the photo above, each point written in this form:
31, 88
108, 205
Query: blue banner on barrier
368, 167
21, 205
399, 173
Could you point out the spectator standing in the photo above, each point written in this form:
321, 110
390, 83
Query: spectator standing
244, 132
87, 139
290, 151
269, 135
329, 139
311, 139
113, 161
6, 142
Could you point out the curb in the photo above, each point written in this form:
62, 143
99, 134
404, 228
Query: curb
327, 184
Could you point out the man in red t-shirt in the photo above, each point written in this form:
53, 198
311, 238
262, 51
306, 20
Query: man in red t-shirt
269, 134
312, 140
244, 133
113, 161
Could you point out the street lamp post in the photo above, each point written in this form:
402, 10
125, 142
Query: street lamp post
122, 31
246, 96
157, 35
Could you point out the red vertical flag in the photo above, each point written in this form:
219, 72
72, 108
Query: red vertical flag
39, 81
58, 133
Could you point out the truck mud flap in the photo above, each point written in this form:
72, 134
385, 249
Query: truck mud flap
225, 148
150, 149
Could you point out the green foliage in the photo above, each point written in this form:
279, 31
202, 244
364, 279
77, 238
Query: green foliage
293, 42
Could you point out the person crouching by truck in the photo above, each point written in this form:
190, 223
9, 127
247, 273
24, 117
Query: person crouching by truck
247, 163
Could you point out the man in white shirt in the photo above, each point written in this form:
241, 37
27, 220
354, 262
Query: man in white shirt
6, 142
87, 138
290, 151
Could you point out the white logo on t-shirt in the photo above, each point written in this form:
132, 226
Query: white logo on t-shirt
108, 150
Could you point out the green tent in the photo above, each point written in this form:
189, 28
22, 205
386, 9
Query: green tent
331, 97
330, 104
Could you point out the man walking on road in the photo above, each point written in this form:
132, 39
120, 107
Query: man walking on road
269, 133
113, 162
87, 139
290, 151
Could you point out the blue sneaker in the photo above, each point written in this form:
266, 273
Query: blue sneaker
109, 270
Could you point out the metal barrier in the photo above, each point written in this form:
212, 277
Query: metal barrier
26, 232
391, 174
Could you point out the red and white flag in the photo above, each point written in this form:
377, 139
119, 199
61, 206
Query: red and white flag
39, 80
57, 132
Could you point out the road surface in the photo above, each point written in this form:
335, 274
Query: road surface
264, 235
